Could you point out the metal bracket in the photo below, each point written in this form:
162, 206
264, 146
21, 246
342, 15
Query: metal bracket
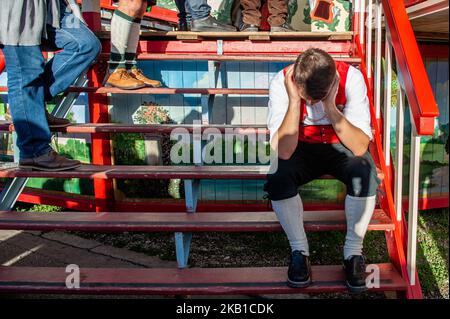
219, 47
192, 186
191, 189
182, 245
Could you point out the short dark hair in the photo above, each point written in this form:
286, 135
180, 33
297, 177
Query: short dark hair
315, 72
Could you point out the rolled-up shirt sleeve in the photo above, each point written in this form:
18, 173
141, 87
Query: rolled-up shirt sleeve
357, 107
278, 104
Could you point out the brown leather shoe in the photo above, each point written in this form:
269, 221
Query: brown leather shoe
50, 162
55, 122
139, 75
121, 79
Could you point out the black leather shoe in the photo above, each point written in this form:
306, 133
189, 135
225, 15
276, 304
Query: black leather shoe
355, 273
245, 27
299, 272
50, 162
210, 24
285, 27
55, 122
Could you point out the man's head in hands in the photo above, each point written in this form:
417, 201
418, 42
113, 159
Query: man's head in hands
315, 75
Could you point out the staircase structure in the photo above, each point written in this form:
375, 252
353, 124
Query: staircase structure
380, 29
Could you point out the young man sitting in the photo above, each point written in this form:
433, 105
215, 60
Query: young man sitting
319, 122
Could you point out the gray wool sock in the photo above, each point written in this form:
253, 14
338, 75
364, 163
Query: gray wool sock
358, 212
290, 214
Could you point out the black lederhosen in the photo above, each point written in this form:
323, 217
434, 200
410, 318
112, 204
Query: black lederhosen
312, 160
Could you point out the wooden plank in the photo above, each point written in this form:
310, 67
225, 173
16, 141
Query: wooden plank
257, 36
145, 172
189, 281
230, 57
90, 128
162, 90
183, 35
238, 172
179, 222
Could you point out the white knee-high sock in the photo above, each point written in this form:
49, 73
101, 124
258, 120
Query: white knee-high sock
124, 39
358, 212
290, 214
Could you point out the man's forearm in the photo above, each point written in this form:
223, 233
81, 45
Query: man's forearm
288, 131
351, 136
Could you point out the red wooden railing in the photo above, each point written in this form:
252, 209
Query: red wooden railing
2, 62
409, 64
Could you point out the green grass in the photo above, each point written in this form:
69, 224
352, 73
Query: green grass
432, 254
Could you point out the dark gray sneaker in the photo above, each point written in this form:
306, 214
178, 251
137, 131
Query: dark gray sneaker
55, 122
210, 24
285, 27
50, 162
299, 271
355, 274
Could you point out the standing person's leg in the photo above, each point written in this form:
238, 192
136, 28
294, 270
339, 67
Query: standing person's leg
183, 13
80, 47
278, 11
282, 187
25, 66
251, 15
202, 19
359, 175
125, 29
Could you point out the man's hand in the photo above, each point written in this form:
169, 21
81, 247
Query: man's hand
351, 136
329, 102
291, 86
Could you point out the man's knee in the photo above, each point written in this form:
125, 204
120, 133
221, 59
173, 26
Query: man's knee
281, 184
363, 180
91, 46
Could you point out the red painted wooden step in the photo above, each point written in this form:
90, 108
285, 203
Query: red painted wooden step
179, 222
193, 281
149, 172
90, 128
229, 57
163, 90
292, 36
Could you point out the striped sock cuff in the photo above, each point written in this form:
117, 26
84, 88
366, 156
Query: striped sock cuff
130, 60
117, 61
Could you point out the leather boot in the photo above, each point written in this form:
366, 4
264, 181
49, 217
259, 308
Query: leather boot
55, 122
121, 79
50, 162
139, 75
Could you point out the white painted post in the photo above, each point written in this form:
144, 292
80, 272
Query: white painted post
387, 101
414, 169
377, 62
398, 187
369, 40
362, 7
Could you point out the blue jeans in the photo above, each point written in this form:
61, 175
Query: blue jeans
195, 9
31, 81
